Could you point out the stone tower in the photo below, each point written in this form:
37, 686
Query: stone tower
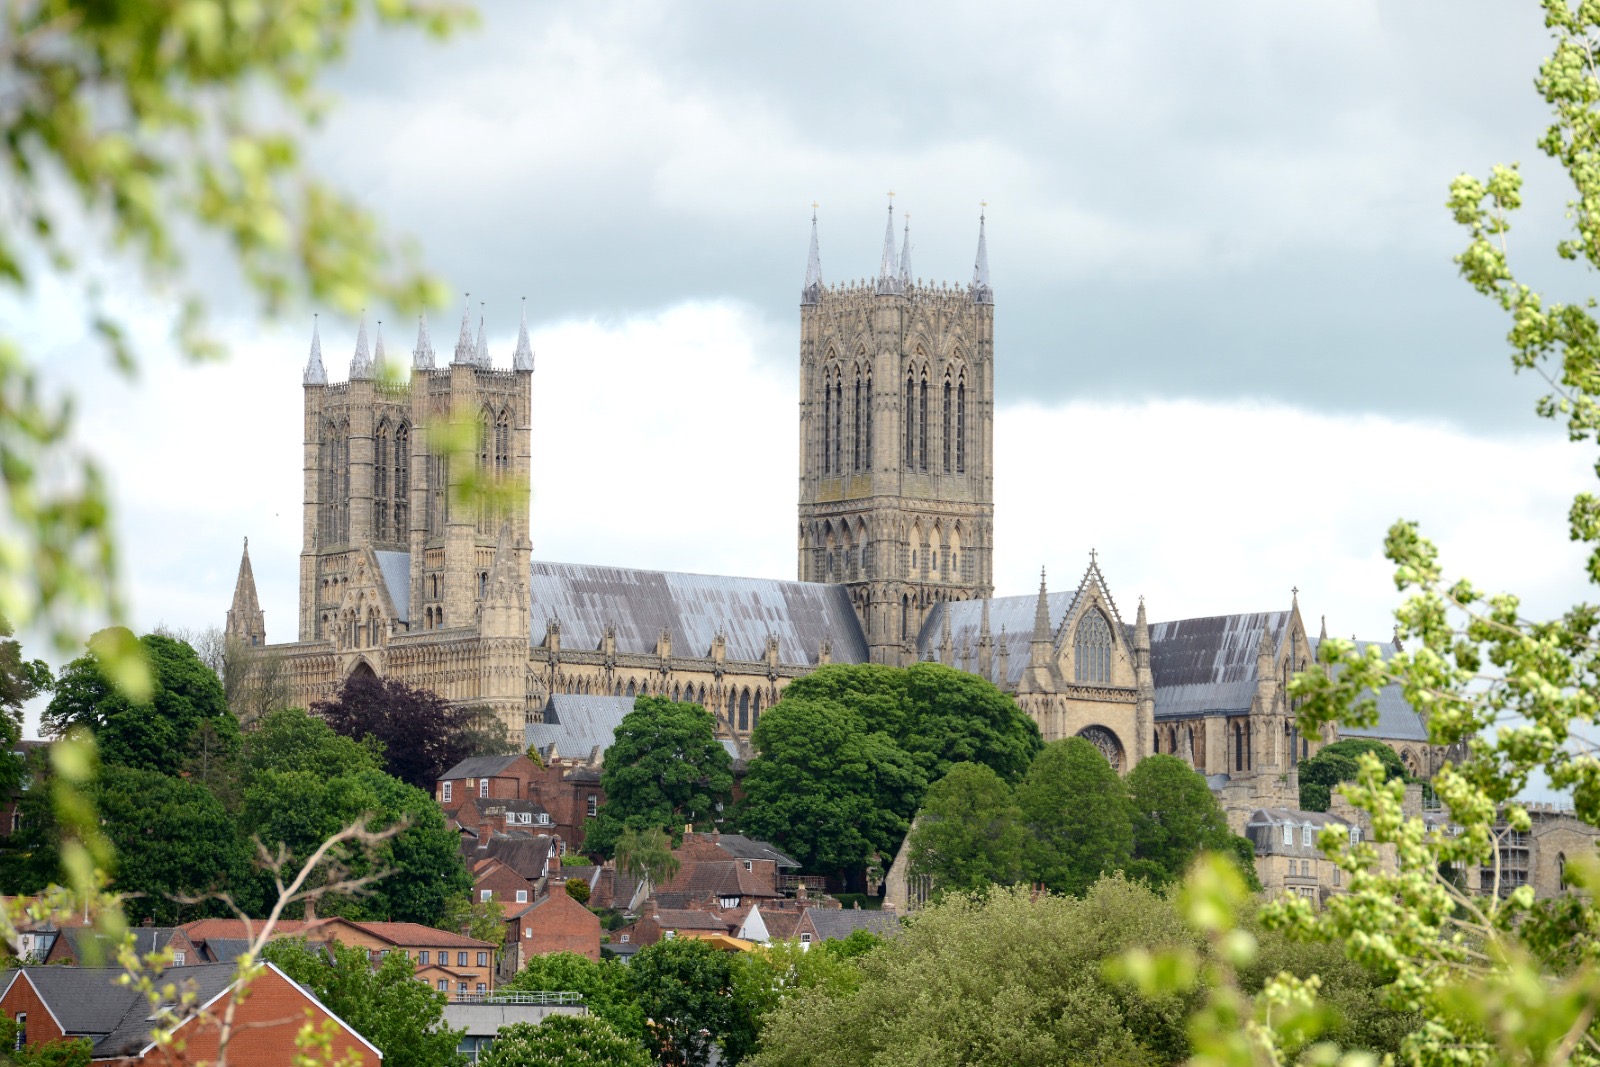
246, 622
896, 441
402, 538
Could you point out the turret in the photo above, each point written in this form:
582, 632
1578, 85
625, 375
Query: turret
985, 644
466, 350
422, 355
982, 291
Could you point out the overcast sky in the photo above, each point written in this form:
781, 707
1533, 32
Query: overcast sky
1231, 344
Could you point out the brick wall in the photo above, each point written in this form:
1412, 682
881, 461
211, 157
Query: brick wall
559, 924
266, 1025
21, 998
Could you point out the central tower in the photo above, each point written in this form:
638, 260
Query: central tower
897, 441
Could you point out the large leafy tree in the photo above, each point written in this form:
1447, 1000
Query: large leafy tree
21, 679
994, 982
664, 769
1337, 763
826, 788
422, 734
685, 989
938, 715
384, 1004
564, 1041
1075, 808
969, 833
769, 976
128, 129
185, 709
605, 985
1175, 818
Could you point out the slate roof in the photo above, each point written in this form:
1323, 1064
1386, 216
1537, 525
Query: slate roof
836, 924
1203, 665
1397, 719
396, 570
146, 939
748, 848
225, 949
479, 767
1015, 613
524, 854
1263, 828
88, 1002
693, 608
687, 919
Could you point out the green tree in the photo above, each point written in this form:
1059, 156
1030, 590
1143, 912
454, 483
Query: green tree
157, 734
939, 716
825, 789
769, 976
1175, 818
685, 990
160, 121
21, 680
1075, 808
578, 890
665, 768
646, 854
968, 835
564, 1041
605, 985
1337, 763
482, 919
290, 740
995, 982
70, 1052
384, 1004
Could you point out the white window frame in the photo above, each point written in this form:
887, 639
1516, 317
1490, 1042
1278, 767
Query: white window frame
1288, 833
1307, 835
483, 788
445, 792
522, 896
485, 895
594, 804
178, 957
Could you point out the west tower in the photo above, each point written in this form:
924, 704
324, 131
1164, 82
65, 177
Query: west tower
897, 441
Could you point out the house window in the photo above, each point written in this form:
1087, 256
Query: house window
1288, 834
1336, 873
805, 939
461, 987
422, 958
670, 934
1355, 836
747, 865
1305, 834
481, 988
527, 931
179, 958
522, 896
22, 1032
483, 787
461, 959
485, 894
624, 939
483, 959
446, 792
444, 985
594, 805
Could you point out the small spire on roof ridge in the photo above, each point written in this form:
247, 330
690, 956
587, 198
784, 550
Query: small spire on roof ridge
905, 255
888, 274
361, 362
983, 624
481, 350
379, 358
422, 355
1323, 636
316, 373
1041, 612
466, 351
522, 358
982, 291
811, 292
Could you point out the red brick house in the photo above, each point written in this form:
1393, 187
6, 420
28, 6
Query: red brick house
493, 880
52, 1004
83, 945
553, 923
508, 794
657, 924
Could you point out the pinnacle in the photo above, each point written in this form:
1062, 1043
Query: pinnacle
888, 269
481, 350
466, 351
315, 373
361, 362
522, 358
422, 355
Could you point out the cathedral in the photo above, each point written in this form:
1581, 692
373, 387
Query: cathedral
400, 578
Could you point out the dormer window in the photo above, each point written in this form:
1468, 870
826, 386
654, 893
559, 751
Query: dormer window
729, 902
1306, 835
1288, 834
748, 865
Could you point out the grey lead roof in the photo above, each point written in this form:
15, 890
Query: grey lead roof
1397, 719
693, 608
578, 724
396, 570
1014, 613
1209, 664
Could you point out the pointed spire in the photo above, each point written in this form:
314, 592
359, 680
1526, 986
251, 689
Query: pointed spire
361, 362
466, 351
812, 291
422, 355
1323, 636
481, 351
985, 644
946, 646
888, 272
315, 373
379, 358
983, 622
1141, 628
982, 292
245, 619
905, 255
1041, 612
522, 358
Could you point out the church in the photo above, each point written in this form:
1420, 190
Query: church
895, 535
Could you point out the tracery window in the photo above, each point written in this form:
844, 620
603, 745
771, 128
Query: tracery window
380, 483
402, 482
1093, 651
961, 426
838, 426
922, 423
949, 416
827, 423
910, 411
744, 710
334, 493
855, 425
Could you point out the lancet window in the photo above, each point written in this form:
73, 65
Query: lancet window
380, 483
1093, 651
827, 423
855, 424
949, 416
838, 425
401, 511
910, 414
961, 426
334, 490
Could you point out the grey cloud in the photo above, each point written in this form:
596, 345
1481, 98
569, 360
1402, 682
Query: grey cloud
1211, 200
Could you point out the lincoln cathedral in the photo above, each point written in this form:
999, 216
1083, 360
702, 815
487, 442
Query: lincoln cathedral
895, 536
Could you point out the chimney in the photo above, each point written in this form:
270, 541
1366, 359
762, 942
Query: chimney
800, 891
558, 888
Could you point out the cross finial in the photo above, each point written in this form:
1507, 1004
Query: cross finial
1092, 555
1295, 591
891, 194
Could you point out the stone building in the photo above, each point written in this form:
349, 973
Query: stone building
895, 557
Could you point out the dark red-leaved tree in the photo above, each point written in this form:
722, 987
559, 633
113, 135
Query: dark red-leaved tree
423, 734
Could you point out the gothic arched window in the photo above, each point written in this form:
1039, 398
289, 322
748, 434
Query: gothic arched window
838, 425
961, 426
380, 483
866, 424
402, 482
502, 445
855, 425
744, 710
949, 416
909, 413
1093, 648
827, 422
1238, 748
922, 422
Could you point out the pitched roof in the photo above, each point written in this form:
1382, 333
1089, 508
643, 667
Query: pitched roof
89, 1002
527, 855
419, 936
146, 939
748, 848
1209, 664
721, 878
1014, 614
205, 929
577, 724
396, 570
1397, 719
836, 924
693, 608
781, 923
480, 767
687, 919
